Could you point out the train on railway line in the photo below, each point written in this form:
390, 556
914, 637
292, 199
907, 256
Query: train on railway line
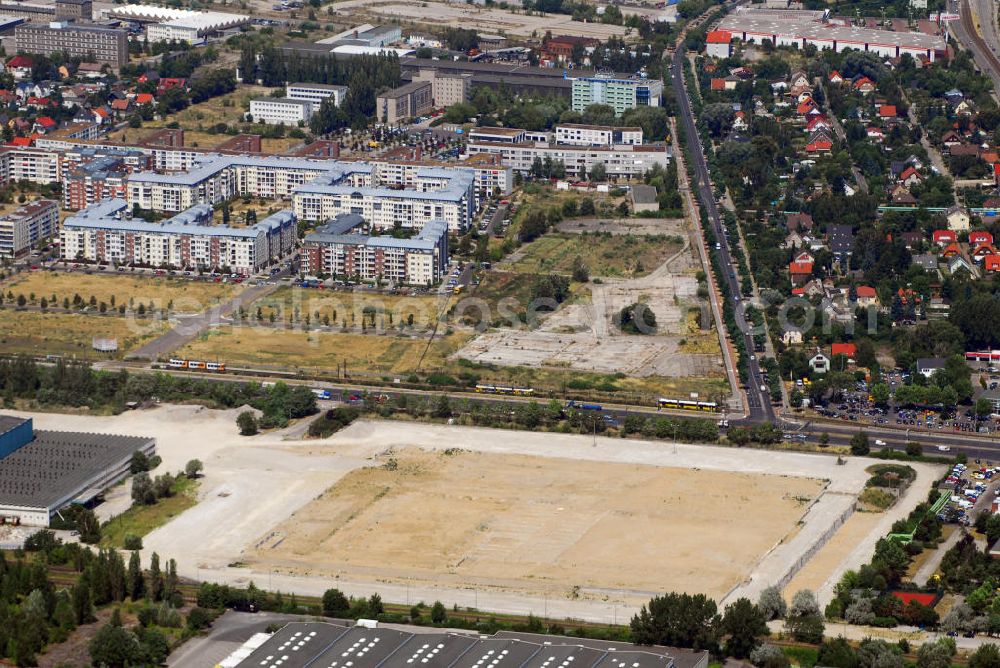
196, 365
688, 405
502, 389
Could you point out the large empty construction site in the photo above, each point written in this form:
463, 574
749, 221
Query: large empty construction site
565, 525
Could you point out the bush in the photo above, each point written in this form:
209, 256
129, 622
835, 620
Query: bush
133, 542
333, 421
199, 619
247, 422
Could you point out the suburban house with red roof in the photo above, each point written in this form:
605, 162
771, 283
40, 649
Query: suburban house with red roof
991, 263
718, 43
44, 124
951, 250
944, 237
835, 77
910, 177
866, 296
848, 350
979, 237
887, 111
864, 85
20, 66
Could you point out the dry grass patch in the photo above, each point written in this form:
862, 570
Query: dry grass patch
363, 353
605, 255
70, 334
337, 307
187, 296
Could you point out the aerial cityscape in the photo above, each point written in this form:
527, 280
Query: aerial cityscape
500, 333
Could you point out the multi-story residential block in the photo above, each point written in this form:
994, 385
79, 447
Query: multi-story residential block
398, 104
102, 233
338, 248
597, 135
24, 228
106, 45
620, 94
101, 178
281, 111
520, 151
316, 93
27, 164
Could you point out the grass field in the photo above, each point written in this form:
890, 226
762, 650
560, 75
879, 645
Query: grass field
198, 118
338, 307
187, 296
140, 520
34, 333
619, 256
364, 354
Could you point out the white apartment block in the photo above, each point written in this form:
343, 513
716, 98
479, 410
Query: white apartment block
169, 32
316, 93
37, 166
515, 151
597, 135
100, 233
281, 111
22, 229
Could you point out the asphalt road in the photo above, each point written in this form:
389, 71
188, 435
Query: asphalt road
964, 30
758, 400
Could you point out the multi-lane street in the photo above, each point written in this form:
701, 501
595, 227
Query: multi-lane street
758, 397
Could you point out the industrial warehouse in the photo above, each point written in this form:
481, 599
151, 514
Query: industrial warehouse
789, 27
300, 644
43, 471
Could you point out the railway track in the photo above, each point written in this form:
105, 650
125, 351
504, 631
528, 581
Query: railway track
969, 20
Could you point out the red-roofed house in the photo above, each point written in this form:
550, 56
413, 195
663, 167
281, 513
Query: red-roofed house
144, 98
983, 250
170, 82
20, 66
864, 85
835, 77
717, 43
718, 83
800, 272
991, 263
979, 237
887, 111
910, 177
821, 146
875, 133
22, 142
942, 237
45, 124
121, 106
951, 250
867, 296
848, 350
805, 106
817, 123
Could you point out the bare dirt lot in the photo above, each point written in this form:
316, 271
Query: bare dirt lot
532, 523
496, 504
583, 336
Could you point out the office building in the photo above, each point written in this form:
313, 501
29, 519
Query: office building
316, 93
281, 111
338, 248
446, 88
103, 233
620, 94
106, 45
597, 135
399, 104
23, 229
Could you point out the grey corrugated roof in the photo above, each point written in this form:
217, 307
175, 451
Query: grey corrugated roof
61, 464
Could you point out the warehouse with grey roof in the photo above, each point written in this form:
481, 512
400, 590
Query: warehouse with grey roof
44, 471
368, 645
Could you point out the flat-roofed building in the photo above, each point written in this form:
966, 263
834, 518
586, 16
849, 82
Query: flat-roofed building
22, 229
44, 471
446, 88
619, 94
281, 111
338, 248
75, 9
398, 104
316, 93
597, 135
106, 45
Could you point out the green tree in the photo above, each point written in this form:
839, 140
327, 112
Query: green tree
771, 603
805, 621
581, 272
142, 490
678, 620
859, 444
193, 468
335, 604
135, 582
936, 654
743, 623
114, 647
439, 615
880, 394
247, 422
987, 656
637, 318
